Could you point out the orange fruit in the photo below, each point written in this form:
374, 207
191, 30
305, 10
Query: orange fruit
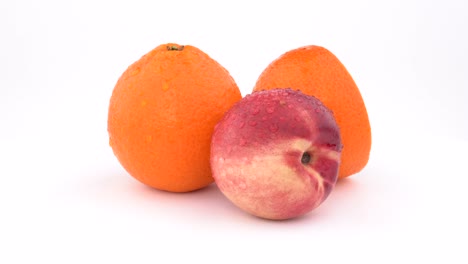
162, 114
316, 71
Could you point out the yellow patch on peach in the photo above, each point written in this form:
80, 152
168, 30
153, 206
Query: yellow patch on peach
250, 183
246, 185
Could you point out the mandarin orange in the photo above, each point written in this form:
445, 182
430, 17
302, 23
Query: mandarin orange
162, 114
316, 71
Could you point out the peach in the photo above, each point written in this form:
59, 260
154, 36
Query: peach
276, 154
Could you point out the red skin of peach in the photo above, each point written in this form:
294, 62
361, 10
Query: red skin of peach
257, 153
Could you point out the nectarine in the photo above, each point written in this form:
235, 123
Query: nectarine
276, 154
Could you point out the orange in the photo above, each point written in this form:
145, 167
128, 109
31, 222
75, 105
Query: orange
162, 114
316, 71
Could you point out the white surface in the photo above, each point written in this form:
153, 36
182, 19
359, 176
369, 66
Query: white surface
65, 199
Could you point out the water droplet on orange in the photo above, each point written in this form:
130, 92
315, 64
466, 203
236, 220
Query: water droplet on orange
165, 86
148, 138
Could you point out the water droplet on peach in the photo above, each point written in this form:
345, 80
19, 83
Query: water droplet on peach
273, 127
255, 111
229, 149
270, 110
252, 123
331, 146
242, 142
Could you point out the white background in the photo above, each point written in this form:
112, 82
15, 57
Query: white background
64, 198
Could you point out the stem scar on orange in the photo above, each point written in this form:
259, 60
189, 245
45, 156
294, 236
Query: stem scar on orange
162, 114
316, 71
